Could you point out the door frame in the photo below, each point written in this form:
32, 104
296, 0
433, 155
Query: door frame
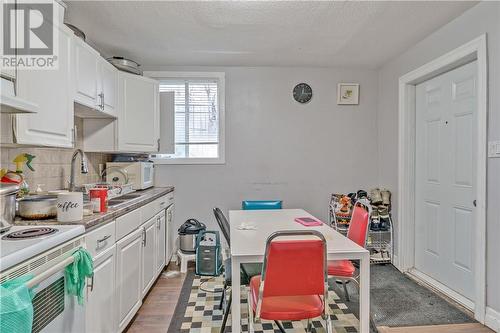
405, 260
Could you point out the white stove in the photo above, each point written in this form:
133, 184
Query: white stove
21, 243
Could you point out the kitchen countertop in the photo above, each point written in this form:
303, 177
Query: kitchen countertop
99, 219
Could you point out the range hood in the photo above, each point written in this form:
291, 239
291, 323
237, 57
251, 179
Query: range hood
10, 103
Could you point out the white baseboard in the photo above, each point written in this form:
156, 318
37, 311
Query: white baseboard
492, 319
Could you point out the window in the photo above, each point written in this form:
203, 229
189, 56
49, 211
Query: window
198, 114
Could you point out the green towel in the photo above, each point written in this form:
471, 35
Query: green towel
16, 309
76, 273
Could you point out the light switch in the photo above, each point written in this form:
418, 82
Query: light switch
494, 149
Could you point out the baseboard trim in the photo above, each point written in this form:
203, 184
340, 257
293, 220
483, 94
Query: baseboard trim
492, 319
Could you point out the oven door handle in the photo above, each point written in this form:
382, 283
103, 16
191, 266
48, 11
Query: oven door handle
91, 284
49, 272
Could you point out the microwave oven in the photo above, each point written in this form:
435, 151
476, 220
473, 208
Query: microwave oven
140, 174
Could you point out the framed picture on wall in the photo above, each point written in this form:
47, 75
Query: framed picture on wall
348, 94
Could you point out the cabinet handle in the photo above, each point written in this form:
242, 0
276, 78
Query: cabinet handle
101, 104
158, 223
144, 237
91, 285
105, 238
158, 145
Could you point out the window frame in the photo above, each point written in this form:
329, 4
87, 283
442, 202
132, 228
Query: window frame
221, 98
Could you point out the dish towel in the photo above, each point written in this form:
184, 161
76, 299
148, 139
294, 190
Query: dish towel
75, 274
16, 309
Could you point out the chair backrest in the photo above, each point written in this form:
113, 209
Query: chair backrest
223, 224
360, 220
295, 267
261, 204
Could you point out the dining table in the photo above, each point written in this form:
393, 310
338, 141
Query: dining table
249, 231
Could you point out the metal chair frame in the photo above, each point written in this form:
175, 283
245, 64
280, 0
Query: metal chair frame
366, 204
326, 310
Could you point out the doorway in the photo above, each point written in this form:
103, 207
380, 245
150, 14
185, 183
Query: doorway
442, 174
445, 177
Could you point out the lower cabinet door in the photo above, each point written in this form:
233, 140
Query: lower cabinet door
161, 242
169, 230
128, 277
101, 294
149, 255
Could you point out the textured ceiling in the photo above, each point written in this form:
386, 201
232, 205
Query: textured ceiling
260, 33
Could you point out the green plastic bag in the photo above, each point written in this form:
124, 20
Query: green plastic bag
16, 308
76, 273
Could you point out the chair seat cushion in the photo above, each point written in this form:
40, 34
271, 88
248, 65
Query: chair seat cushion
341, 268
285, 307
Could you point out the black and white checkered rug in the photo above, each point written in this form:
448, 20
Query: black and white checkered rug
202, 314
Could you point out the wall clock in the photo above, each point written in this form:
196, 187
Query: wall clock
302, 93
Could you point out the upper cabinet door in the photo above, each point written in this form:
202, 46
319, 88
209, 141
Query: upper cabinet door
108, 87
138, 128
167, 121
52, 91
86, 74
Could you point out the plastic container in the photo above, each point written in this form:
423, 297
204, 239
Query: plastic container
99, 199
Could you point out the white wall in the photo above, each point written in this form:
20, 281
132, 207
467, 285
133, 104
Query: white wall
277, 148
483, 18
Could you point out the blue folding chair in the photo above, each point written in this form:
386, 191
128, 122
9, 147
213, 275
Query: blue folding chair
261, 204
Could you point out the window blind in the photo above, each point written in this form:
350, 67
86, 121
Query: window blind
196, 117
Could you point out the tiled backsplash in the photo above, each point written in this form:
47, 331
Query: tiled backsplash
53, 165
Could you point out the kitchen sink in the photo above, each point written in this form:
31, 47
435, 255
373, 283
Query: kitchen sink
121, 200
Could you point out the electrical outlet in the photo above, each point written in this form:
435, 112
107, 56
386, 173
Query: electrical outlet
494, 149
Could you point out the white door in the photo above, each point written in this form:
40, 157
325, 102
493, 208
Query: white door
169, 229
139, 113
446, 122
108, 87
100, 305
149, 255
128, 276
53, 92
160, 242
86, 74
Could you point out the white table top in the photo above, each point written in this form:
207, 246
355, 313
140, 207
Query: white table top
252, 243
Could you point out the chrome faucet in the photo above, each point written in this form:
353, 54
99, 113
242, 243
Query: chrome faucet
83, 168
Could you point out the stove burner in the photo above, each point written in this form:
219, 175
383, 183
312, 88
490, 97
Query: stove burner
29, 233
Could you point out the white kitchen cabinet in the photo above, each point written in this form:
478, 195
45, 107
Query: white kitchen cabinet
52, 91
100, 304
107, 87
170, 235
96, 83
86, 73
167, 122
138, 122
148, 254
128, 277
160, 242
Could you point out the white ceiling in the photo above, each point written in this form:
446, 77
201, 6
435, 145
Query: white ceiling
260, 33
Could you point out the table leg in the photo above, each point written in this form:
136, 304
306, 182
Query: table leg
364, 294
235, 292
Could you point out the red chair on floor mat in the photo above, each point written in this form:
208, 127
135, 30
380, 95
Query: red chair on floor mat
294, 281
344, 270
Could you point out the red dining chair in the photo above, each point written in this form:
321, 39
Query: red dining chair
294, 281
344, 270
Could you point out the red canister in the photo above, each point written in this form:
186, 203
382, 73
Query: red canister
99, 199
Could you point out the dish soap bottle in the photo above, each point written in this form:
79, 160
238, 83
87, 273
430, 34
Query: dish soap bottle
19, 160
